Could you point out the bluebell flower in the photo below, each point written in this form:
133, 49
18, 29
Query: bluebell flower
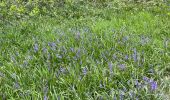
84, 71
62, 70
144, 40
45, 91
137, 84
114, 56
45, 97
44, 50
131, 94
78, 35
25, 63
58, 97
49, 56
153, 85
125, 38
16, 85
129, 82
121, 95
36, 47
13, 59
78, 53
52, 45
135, 55
126, 57
122, 66
151, 82
101, 86
81, 62
146, 79
72, 49
143, 59
110, 67
58, 56
114, 97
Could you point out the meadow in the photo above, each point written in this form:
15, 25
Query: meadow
95, 51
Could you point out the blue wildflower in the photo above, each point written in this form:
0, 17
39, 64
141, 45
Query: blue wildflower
16, 85
58, 56
45, 91
137, 84
101, 86
36, 47
122, 66
129, 82
72, 49
84, 71
110, 67
153, 85
126, 57
78, 35
45, 97
151, 71
13, 59
125, 38
62, 70
135, 55
121, 95
146, 79
52, 45
78, 54
131, 94
49, 56
114, 56
144, 40
25, 63
44, 50
58, 97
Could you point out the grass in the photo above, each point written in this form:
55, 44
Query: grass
86, 58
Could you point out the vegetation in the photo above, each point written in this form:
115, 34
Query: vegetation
84, 49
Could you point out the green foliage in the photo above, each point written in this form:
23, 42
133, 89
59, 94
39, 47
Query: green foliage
68, 8
84, 49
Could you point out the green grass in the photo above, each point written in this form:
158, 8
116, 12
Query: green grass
85, 62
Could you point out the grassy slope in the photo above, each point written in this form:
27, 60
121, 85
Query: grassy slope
28, 74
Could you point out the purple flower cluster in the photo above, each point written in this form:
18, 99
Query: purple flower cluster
138, 84
122, 66
153, 84
52, 45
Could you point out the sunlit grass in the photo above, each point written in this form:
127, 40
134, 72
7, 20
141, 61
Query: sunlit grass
126, 57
